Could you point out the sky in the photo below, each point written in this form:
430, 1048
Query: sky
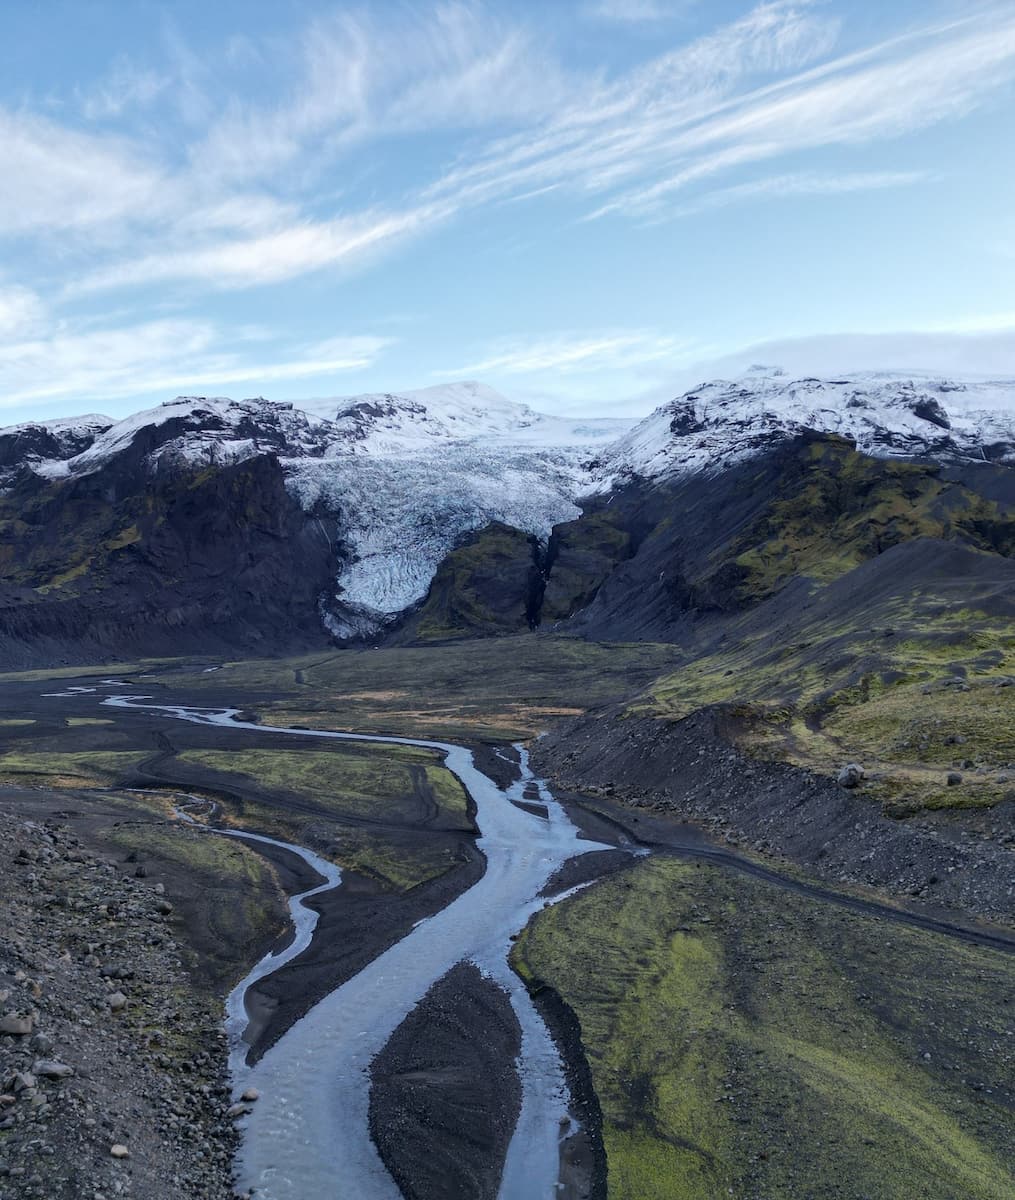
587, 204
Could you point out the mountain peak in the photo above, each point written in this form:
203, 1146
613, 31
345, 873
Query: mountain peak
887, 414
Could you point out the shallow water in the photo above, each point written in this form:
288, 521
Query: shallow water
308, 1136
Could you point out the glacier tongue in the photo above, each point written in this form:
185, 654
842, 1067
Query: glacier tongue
402, 515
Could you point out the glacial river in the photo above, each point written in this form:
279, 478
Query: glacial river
307, 1137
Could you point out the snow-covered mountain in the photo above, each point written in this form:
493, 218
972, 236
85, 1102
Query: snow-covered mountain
887, 415
396, 479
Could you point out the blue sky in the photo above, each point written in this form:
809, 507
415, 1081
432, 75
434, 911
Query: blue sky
588, 205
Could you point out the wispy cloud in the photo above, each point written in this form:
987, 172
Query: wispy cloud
269, 257
902, 86
681, 119
169, 355
572, 352
127, 86
343, 153
802, 183
457, 66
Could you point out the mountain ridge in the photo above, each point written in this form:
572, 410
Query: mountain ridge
393, 483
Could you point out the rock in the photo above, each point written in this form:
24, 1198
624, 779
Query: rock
15, 1025
116, 1001
250, 1095
851, 775
954, 778
118, 1150
163, 907
49, 1068
237, 1110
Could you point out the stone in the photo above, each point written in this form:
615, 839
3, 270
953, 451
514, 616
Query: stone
250, 1095
116, 1001
15, 1025
49, 1068
851, 775
954, 779
119, 1150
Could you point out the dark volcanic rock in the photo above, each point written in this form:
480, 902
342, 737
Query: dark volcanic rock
445, 1094
692, 769
119, 562
491, 583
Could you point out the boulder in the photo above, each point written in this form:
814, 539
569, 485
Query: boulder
851, 775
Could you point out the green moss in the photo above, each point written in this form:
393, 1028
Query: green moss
722, 1017
126, 537
361, 806
70, 769
839, 508
370, 782
483, 586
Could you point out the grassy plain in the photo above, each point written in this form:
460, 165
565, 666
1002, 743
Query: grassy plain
499, 689
742, 1037
380, 811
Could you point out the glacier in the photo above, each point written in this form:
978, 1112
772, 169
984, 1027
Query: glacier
396, 479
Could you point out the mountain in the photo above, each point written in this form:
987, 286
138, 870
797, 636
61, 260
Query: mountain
451, 511
885, 415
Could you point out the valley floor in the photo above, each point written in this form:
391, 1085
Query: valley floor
738, 1035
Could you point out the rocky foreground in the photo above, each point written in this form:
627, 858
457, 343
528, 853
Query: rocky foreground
112, 1064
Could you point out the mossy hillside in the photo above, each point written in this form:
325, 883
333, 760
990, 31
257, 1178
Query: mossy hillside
580, 556
49, 541
882, 682
837, 508
487, 585
722, 1017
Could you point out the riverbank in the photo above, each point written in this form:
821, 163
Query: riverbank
113, 1061
641, 768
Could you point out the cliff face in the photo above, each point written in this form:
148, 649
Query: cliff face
124, 561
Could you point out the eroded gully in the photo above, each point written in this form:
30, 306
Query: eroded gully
308, 1135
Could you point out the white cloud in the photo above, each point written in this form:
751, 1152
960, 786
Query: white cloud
125, 87
359, 77
980, 348
56, 178
804, 183
168, 355
21, 311
574, 353
268, 257
962, 65
233, 208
